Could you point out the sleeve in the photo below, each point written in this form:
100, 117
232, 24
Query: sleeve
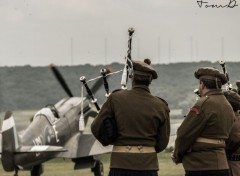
163, 132
188, 132
233, 142
105, 112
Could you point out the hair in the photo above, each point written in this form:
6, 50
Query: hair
142, 79
212, 84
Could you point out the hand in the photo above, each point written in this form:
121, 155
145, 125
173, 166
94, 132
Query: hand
174, 159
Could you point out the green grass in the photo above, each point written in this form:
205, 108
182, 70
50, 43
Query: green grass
61, 167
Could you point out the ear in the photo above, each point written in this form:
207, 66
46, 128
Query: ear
202, 85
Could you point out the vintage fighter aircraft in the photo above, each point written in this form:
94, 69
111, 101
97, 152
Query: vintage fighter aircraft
54, 132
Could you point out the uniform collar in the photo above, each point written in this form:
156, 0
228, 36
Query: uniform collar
142, 87
214, 92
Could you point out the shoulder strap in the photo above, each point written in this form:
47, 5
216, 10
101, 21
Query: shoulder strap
201, 101
162, 100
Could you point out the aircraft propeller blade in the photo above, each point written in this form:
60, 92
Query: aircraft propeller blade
61, 80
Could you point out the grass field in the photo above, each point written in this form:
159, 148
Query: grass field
60, 167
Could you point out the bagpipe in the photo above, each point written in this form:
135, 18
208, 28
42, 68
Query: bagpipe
108, 129
228, 85
105, 72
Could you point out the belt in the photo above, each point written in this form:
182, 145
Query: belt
233, 157
210, 141
134, 149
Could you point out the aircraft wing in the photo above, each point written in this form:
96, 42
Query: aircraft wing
82, 145
39, 149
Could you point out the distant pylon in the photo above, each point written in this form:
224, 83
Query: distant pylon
105, 45
222, 48
169, 51
159, 50
71, 50
191, 49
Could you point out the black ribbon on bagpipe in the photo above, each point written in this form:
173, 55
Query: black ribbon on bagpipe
128, 67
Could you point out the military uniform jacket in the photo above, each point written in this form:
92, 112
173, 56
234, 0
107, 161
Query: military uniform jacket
211, 117
233, 146
142, 120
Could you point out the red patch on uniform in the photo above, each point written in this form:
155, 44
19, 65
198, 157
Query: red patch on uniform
195, 110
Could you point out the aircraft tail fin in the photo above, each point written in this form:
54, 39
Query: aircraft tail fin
9, 142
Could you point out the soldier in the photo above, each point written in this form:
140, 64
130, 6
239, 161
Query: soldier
233, 142
200, 145
143, 125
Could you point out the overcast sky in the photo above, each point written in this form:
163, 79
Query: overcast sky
72, 32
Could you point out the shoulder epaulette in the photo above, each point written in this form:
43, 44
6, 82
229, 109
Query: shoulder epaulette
197, 107
116, 90
163, 100
201, 101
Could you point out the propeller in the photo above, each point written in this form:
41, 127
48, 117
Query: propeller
64, 85
61, 80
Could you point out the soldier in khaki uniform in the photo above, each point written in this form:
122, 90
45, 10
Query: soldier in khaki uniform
143, 125
233, 142
200, 142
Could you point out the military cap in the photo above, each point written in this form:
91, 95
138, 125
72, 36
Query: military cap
233, 98
238, 84
210, 73
144, 68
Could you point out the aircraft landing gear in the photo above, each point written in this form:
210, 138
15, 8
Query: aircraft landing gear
37, 170
98, 168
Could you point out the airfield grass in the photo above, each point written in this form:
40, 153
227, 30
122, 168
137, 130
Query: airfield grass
61, 167
64, 167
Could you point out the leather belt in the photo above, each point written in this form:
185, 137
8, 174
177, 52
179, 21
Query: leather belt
233, 157
134, 149
210, 141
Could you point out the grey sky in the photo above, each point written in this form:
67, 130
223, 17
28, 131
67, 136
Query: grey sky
65, 32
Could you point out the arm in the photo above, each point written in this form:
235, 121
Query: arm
233, 142
188, 132
163, 132
98, 125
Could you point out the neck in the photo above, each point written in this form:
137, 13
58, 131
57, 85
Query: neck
204, 91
